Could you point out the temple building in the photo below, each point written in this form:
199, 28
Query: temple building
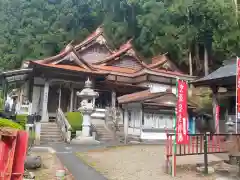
120, 76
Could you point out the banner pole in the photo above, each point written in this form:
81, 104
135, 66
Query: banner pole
236, 114
175, 136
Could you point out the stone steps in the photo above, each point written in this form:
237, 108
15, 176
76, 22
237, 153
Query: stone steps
50, 132
103, 134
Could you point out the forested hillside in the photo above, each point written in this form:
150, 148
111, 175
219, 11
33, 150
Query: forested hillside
199, 33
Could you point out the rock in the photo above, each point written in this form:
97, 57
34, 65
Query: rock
33, 162
29, 175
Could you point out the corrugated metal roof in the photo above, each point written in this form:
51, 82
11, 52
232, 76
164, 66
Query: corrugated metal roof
226, 71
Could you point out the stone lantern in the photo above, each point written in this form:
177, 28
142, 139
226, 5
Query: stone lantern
88, 96
230, 126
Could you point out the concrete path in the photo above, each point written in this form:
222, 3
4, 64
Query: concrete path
67, 155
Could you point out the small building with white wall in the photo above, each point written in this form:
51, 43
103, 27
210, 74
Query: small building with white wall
149, 115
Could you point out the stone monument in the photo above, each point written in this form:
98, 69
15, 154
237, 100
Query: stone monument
88, 96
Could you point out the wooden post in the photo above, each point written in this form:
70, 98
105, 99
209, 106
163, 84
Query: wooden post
141, 120
75, 102
214, 104
71, 99
30, 89
45, 102
205, 154
126, 124
60, 97
113, 99
30, 95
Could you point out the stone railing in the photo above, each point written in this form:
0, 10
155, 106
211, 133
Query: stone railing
64, 125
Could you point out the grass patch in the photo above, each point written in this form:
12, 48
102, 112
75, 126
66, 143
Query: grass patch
10, 124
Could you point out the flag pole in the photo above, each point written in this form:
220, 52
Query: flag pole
174, 159
236, 114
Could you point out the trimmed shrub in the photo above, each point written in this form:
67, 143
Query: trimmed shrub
10, 124
75, 120
22, 119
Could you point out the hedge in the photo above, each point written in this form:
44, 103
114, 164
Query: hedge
9, 123
75, 120
22, 119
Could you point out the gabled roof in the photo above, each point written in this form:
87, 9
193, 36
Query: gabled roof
157, 61
161, 61
115, 69
164, 73
66, 67
68, 52
70, 58
125, 49
96, 36
147, 97
138, 97
224, 75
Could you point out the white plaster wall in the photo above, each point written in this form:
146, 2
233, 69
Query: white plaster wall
153, 136
158, 121
135, 120
156, 87
134, 131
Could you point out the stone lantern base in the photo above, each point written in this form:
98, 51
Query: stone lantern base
85, 140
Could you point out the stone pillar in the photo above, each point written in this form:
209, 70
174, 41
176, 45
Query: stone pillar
45, 102
86, 124
113, 99
37, 133
71, 99
60, 97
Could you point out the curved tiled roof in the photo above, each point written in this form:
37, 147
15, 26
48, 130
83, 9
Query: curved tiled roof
70, 53
67, 67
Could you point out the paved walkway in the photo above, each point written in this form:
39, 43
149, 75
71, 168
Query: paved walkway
80, 171
67, 155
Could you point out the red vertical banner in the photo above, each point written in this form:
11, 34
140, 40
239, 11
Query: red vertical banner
182, 113
217, 113
238, 92
20, 155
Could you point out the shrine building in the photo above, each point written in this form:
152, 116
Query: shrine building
145, 93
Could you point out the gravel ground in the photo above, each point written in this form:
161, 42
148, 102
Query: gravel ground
49, 167
136, 163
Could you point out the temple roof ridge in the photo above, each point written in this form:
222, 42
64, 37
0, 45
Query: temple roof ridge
68, 51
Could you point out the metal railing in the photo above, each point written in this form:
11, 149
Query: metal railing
201, 144
64, 125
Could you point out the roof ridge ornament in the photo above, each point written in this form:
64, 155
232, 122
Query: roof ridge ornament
88, 83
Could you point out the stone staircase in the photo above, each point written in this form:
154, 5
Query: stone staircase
103, 134
50, 132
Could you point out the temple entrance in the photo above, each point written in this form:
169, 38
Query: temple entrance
54, 101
